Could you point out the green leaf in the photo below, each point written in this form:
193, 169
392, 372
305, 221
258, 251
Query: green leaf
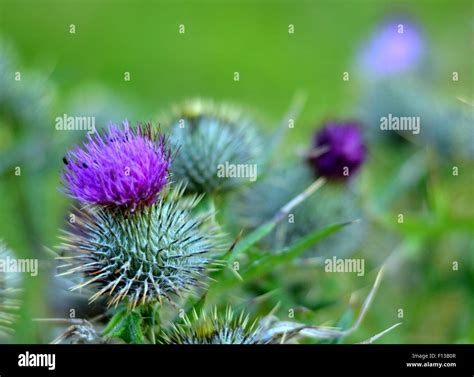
247, 242
265, 229
242, 246
126, 325
343, 323
270, 261
115, 321
250, 240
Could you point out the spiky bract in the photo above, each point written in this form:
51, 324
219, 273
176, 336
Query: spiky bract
215, 328
9, 293
124, 167
144, 256
207, 136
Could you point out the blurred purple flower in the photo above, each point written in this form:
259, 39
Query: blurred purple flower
122, 167
338, 150
397, 46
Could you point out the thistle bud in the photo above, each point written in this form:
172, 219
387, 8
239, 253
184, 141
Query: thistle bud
142, 257
208, 137
214, 328
340, 150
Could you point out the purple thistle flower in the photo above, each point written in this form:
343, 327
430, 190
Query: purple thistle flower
122, 167
396, 47
338, 150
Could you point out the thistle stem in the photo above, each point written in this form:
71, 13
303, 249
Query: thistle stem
212, 208
152, 322
152, 335
285, 210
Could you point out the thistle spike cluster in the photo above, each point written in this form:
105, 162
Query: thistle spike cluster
213, 328
207, 135
123, 167
9, 292
145, 256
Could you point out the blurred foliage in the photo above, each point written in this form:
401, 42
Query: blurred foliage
83, 73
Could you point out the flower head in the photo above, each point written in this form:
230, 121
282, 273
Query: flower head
214, 328
208, 137
338, 150
123, 167
144, 256
396, 46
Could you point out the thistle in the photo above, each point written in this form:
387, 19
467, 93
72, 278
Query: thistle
338, 150
396, 46
214, 328
123, 167
207, 136
145, 256
9, 291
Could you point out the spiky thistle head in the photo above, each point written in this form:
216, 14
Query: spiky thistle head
208, 137
338, 150
215, 328
9, 292
123, 167
145, 256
